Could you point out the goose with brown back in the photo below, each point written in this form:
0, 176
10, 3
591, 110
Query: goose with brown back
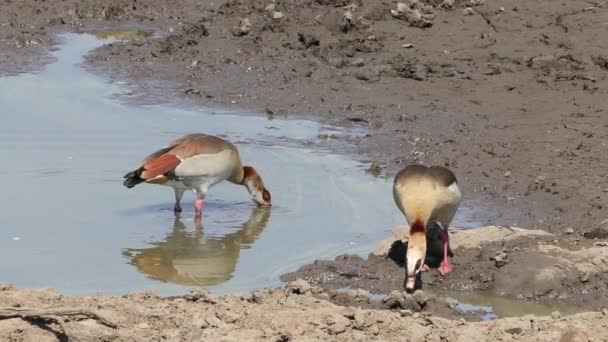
426, 196
198, 162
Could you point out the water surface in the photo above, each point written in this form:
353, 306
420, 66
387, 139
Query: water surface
68, 223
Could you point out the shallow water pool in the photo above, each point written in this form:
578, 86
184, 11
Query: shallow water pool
68, 223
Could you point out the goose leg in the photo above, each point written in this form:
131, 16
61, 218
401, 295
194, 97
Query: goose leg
198, 206
198, 203
179, 193
445, 267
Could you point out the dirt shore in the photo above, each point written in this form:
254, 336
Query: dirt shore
525, 265
291, 314
509, 95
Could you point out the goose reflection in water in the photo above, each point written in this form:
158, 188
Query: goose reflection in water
191, 259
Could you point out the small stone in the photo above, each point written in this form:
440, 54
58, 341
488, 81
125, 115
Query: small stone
514, 331
407, 46
228, 316
359, 319
277, 15
338, 325
358, 62
257, 297
269, 8
405, 313
600, 244
555, 242
416, 315
243, 29
145, 325
500, 259
360, 295
556, 315
508, 174
569, 230
299, 286
605, 312
502, 9
468, 11
336, 62
420, 297
374, 330
447, 4
215, 322
472, 3
394, 299
584, 277
323, 296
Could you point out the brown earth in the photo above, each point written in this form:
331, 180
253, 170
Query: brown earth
290, 314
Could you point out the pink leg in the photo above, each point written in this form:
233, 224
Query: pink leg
198, 225
198, 206
445, 267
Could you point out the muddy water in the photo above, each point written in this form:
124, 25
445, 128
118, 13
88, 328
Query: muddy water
492, 306
68, 223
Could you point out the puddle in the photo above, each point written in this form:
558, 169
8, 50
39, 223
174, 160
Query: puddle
68, 223
121, 34
492, 307
372, 296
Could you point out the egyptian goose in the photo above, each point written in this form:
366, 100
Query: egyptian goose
198, 162
426, 196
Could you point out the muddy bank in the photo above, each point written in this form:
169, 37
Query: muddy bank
526, 265
260, 316
509, 96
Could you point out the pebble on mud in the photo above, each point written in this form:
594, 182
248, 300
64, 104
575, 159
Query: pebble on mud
337, 324
569, 230
277, 15
447, 4
358, 295
299, 286
402, 300
420, 297
556, 315
500, 259
358, 62
405, 313
243, 29
415, 14
468, 11
472, 3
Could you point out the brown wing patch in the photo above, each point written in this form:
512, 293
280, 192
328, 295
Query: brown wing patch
159, 166
158, 180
